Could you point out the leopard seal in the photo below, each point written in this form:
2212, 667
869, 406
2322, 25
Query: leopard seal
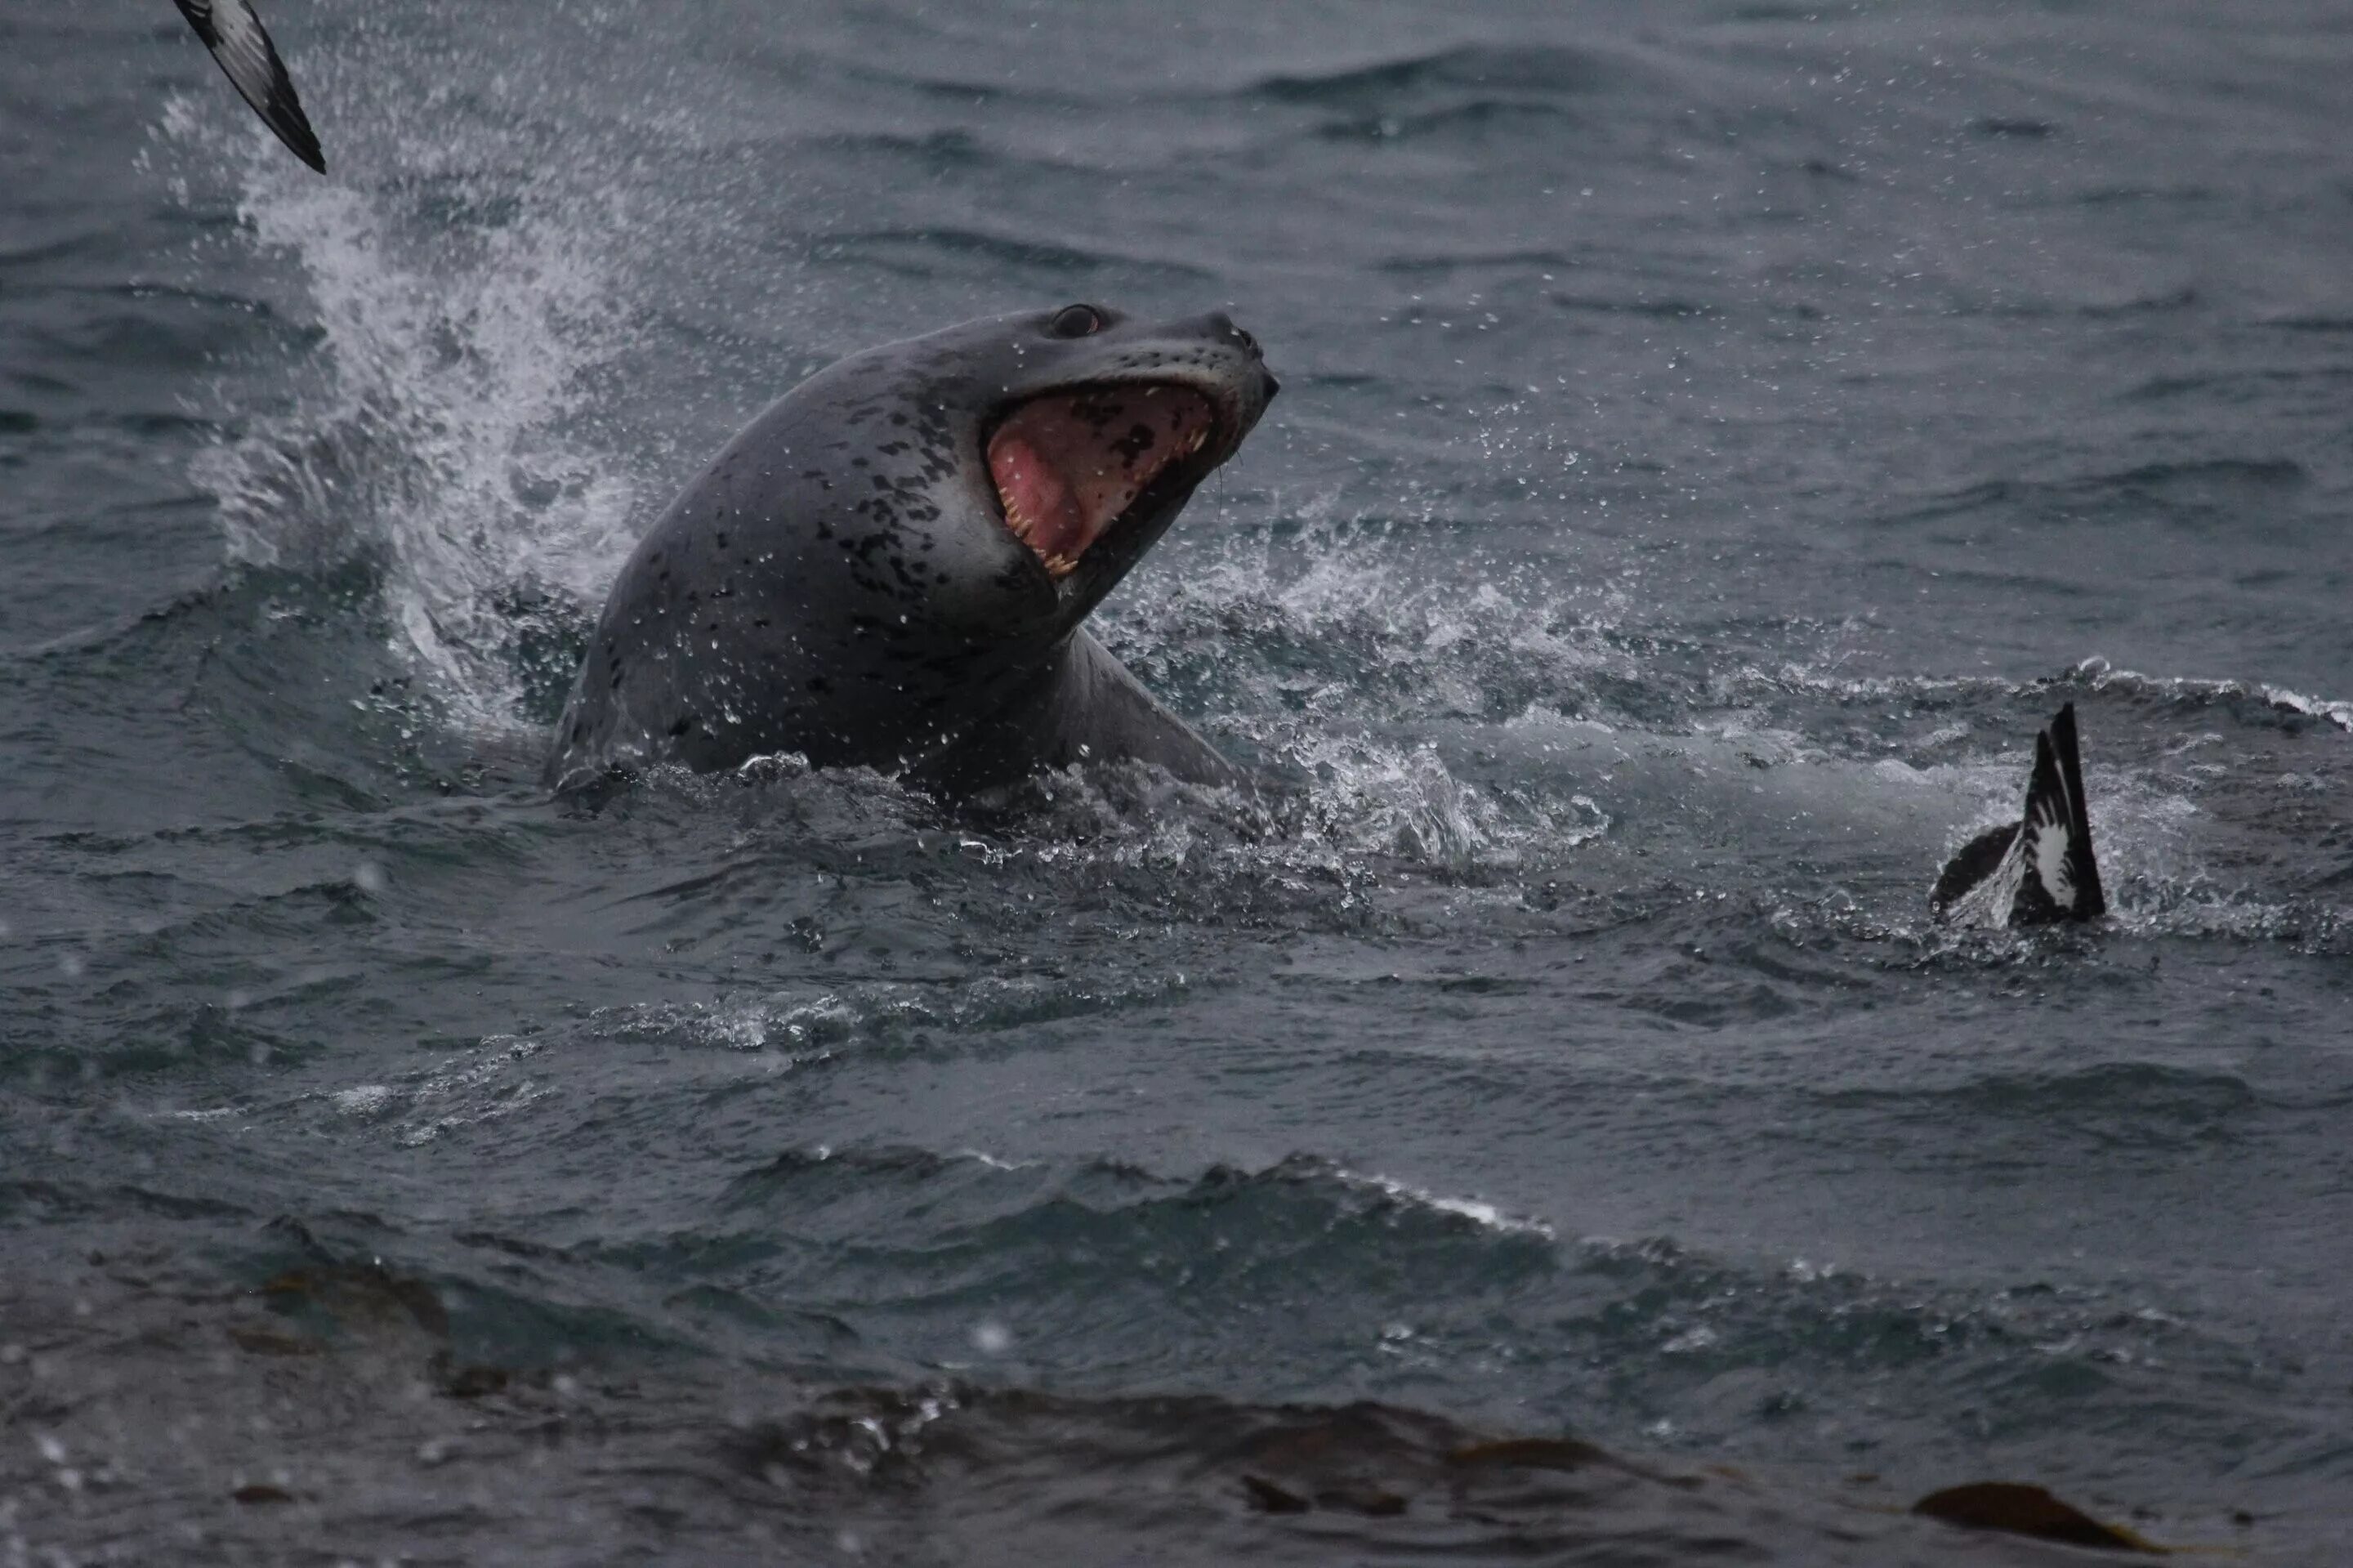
891, 567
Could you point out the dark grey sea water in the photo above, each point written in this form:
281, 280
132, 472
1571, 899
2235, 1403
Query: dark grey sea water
1714, 438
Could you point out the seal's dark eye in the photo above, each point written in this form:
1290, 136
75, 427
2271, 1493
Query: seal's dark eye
1075, 321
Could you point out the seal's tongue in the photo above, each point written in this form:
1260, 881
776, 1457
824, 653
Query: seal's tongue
1067, 464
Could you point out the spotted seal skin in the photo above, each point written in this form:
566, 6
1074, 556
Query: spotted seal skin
891, 566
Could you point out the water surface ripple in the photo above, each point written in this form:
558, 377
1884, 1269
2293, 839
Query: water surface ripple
1714, 438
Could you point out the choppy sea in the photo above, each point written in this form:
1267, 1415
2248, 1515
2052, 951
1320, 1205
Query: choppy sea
1714, 438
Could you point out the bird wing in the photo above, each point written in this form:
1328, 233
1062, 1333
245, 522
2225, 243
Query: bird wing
239, 42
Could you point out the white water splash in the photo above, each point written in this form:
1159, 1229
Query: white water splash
1485, 1216
2098, 674
435, 441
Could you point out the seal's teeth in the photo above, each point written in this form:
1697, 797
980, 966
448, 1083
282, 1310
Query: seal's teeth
1060, 565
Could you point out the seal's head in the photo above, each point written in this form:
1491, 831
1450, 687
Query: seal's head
1057, 447
1096, 448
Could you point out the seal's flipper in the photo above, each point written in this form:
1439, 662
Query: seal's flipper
2040, 869
238, 41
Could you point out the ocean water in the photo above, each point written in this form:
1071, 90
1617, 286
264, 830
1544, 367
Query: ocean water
1714, 438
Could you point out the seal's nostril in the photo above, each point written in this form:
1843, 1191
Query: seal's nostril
1223, 326
1271, 385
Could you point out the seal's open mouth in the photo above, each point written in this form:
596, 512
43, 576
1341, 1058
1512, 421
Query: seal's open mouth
1071, 464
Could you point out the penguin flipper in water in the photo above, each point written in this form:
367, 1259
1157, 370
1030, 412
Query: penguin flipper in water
2038, 870
238, 40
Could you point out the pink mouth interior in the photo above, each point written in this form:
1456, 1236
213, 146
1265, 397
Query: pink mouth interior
1067, 464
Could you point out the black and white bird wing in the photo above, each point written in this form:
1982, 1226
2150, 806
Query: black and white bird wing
238, 41
1979, 883
2040, 869
2062, 880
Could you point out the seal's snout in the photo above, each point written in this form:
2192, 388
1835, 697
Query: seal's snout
1222, 325
1267, 385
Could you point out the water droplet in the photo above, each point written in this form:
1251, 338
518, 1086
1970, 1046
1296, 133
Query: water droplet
991, 1338
368, 876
